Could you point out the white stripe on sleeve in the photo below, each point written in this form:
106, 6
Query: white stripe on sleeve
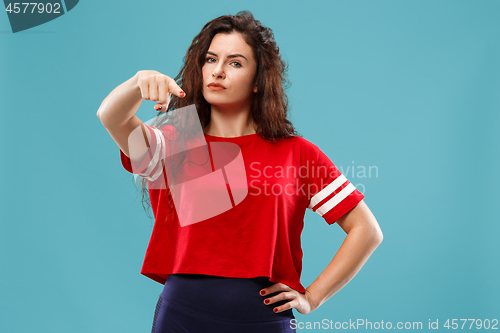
158, 154
335, 200
341, 179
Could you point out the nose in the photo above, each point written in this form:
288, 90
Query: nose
219, 72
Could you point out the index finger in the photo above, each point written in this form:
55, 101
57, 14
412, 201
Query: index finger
174, 88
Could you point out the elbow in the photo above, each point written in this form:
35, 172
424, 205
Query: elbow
102, 117
375, 234
101, 112
378, 236
372, 235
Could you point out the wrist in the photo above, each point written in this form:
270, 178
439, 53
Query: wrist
313, 300
135, 79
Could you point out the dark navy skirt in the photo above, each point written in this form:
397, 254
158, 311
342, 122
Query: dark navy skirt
192, 303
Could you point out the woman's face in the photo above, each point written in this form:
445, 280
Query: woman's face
229, 62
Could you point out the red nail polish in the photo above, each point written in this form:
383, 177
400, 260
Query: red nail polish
262, 292
275, 310
266, 301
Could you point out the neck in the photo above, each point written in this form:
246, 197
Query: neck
230, 121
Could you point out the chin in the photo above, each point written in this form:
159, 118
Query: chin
215, 100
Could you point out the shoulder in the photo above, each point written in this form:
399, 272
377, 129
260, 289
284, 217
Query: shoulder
305, 146
304, 142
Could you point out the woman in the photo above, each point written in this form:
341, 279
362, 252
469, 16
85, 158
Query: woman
238, 270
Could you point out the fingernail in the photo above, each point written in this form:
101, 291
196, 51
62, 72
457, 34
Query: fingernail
157, 108
266, 301
262, 292
275, 310
182, 93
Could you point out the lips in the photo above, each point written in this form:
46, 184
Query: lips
216, 86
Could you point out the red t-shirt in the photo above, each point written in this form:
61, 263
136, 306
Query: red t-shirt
259, 233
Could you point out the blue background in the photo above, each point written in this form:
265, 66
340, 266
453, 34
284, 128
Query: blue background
409, 87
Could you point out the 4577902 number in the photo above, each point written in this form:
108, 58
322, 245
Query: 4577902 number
47, 8
474, 324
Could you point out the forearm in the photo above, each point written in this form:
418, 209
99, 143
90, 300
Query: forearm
357, 247
121, 104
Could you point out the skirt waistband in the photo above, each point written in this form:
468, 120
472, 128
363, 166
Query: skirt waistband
224, 298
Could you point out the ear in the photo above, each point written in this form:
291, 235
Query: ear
255, 89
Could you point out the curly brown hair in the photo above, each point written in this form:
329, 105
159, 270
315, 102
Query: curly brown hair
269, 107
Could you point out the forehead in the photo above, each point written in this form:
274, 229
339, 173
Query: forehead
225, 44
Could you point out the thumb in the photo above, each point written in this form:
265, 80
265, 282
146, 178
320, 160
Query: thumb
161, 107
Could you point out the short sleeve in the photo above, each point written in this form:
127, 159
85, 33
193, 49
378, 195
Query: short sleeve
150, 167
331, 194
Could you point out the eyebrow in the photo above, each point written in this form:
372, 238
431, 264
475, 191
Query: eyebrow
229, 56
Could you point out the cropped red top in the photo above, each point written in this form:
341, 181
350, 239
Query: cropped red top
242, 231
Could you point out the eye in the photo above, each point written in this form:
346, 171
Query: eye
208, 59
237, 64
